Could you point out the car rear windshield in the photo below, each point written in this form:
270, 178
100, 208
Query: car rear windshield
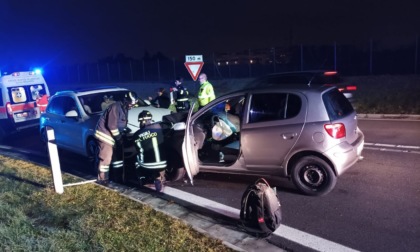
338, 106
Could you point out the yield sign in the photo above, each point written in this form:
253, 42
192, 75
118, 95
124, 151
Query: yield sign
194, 68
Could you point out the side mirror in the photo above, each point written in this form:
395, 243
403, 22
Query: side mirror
72, 114
179, 126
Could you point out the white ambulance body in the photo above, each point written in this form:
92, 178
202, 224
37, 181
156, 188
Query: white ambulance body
18, 94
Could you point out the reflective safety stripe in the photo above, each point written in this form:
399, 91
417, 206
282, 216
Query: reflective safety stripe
104, 137
182, 99
156, 149
115, 132
154, 165
118, 164
104, 168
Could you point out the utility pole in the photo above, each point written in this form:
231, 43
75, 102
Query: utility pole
335, 56
370, 57
301, 57
416, 54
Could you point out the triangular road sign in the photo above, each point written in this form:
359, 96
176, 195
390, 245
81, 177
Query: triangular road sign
194, 68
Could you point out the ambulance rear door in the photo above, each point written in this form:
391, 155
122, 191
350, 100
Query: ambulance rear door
23, 89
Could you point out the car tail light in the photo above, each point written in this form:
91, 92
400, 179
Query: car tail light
336, 130
330, 73
9, 110
351, 88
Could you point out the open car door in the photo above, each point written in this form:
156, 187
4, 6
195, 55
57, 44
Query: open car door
189, 148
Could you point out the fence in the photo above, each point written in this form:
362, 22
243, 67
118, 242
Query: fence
348, 60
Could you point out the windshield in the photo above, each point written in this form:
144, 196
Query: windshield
98, 102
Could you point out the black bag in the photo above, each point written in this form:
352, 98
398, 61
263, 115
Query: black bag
260, 209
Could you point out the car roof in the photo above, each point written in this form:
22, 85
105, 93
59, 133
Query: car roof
305, 72
310, 77
303, 88
84, 91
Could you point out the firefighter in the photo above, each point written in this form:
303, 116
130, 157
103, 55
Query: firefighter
182, 102
109, 130
206, 92
151, 155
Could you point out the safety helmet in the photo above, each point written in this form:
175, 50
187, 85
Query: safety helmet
130, 99
145, 117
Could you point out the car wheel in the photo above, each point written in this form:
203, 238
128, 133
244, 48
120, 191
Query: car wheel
313, 176
92, 151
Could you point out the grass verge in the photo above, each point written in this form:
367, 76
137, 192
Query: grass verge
84, 218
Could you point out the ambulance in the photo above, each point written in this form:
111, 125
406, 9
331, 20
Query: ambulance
19, 92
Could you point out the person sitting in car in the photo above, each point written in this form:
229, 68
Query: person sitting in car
161, 100
108, 100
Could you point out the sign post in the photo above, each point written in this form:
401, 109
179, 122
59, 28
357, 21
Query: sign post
194, 64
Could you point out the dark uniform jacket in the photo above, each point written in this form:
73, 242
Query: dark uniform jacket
149, 142
182, 102
112, 123
162, 101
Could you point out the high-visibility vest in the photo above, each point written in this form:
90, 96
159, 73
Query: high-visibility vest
42, 103
206, 94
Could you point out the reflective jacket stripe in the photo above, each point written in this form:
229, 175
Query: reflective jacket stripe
156, 149
118, 164
104, 137
182, 99
104, 168
115, 132
155, 165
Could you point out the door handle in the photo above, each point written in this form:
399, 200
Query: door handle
287, 136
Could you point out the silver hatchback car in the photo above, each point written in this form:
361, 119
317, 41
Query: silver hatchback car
73, 114
308, 134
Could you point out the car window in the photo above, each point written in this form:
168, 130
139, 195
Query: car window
273, 106
61, 105
228, 110
36, 91
338, 106
17, 95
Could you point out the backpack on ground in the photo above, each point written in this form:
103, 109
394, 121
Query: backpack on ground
260, 209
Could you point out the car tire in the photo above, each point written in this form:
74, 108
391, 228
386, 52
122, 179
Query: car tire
313, 176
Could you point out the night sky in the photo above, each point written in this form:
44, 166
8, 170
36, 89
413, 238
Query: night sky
80, 31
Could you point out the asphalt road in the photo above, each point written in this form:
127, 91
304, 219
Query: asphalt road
374, 207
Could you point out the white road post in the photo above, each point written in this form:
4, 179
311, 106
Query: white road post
55, 161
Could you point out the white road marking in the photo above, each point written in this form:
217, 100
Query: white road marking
286, 232
393, 148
